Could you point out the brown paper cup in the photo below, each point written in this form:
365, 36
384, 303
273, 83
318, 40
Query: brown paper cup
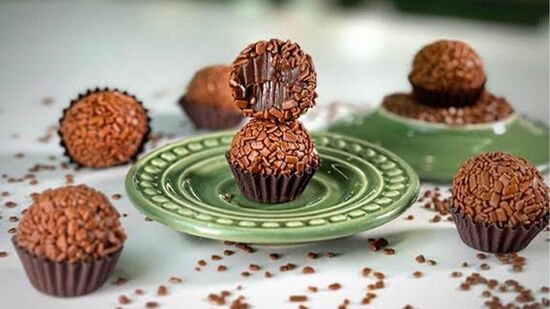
447, 98
494, 239
209, 117
98, 89
66, 279
269, 188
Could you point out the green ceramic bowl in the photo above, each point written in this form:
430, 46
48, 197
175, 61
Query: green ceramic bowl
436, 151
186, 185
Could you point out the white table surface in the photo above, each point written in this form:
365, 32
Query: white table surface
58, 49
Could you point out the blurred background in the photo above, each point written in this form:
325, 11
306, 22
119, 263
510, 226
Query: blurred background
362, 49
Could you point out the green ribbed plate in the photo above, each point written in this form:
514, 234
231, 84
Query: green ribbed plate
436, 151
358, 187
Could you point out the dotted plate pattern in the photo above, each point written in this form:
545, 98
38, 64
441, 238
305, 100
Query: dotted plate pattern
158, 186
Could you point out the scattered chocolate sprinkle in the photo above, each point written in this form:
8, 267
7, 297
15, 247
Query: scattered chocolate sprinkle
216, 257
175, 280
379, 275
228, 252
201, 263
312, 255
417, 274
116, 196
409, 217
377, 244
312, 289
245, 274
308, 270
10, 204
123, 300
431, 262
545, 289
222, 268
334, 286
120, 281
151, 304
456, 274
139, 292
162, 291
481, 256
287, 267
268, 274
388, 251
274, 256
246, 248
253, 267
485, 266
420, 258
3, 254
365, 272
331, 254
298, 298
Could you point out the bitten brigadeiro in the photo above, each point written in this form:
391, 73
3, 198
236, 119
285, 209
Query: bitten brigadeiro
273, 162
69, 240
104, 128
273, 157
274, 80
500, 202
208, 100
447, 73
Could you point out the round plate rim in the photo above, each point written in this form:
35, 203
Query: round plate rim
273, 235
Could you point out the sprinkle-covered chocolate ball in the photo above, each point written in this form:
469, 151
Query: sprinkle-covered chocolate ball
501, 189
274, 80
104, 128
447, 65
210, 86
270, 148
69, 224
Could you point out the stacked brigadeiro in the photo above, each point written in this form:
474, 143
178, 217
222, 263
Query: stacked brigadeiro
499, 202
69, 240
448, 82
273, 157
103, 128
208, 100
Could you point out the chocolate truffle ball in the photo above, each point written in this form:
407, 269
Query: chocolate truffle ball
69, 224
447, 73
208, 100
501, 189
210, 87
270, 148
104, 128
486, 109
273, 80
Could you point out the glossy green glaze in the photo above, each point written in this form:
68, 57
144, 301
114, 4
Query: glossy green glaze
436, 151
185, 185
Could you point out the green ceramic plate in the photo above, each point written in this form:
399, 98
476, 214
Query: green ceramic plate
436, 151
358, 187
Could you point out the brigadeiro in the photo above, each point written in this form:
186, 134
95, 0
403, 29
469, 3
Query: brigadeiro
488, 108
447, 73
208, 100
272, 162
69, 240
274, 80
499, 202
103, 128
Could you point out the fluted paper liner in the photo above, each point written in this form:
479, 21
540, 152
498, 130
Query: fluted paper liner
210, 117
491, 238
272, 189
447, 98
66, 279
87, 93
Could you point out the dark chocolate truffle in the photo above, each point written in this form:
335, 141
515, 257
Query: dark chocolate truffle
208, 100
486, 109
274, 80
104, 128
501, 189
69, 224
447, 73
268, 148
